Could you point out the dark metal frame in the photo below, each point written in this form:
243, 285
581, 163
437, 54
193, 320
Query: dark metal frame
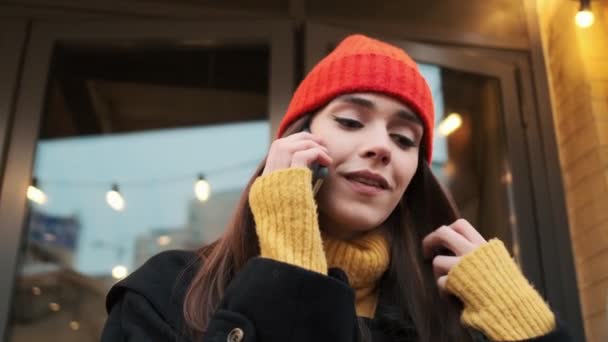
32, 89
13, 35
543, 237
558, 252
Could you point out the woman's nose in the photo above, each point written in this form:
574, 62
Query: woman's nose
378, 148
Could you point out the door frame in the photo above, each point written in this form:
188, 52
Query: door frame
13, 38
543, 236
13, 35
32, 89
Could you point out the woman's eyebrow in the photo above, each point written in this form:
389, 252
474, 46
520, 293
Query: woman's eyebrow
357, 101
409, 116
367, 104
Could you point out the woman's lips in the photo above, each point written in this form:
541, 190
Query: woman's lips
364, 189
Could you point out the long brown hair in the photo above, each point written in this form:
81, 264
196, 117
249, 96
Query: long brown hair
410, 281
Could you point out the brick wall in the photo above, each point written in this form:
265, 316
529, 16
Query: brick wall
577, 62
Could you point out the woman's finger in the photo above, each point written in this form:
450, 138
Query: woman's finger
302, 136
307, 157
442, 264
445, 236
464, 228
282, 151
284, 147
301, 145
441, 281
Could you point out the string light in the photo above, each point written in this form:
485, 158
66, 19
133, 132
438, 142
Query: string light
34, 193
163, 240
147, 182
450, 124
74, 325
584, 17
119, 272
202, 190
115, 199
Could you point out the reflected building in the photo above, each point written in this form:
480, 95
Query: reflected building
49, 293
206, 222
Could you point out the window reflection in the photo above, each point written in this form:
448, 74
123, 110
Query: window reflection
141, 150
469, 152
471, 156
155, 174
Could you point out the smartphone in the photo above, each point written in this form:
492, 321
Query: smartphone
319, 172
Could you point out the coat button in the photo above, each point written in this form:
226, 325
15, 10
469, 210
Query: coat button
235, 335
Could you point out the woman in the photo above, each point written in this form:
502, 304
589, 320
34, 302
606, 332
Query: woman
377, 255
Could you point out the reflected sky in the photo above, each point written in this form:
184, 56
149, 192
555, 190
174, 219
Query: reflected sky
156, 172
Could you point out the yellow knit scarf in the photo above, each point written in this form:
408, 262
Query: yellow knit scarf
364, 260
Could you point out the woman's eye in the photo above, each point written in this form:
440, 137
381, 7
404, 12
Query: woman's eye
349, 123
404, 141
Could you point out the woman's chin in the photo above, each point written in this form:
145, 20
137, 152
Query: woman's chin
350, 221
340, 212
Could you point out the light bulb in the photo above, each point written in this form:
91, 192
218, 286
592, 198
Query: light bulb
36, 195
74, 325
584, 18
115, 199
202, 190
119, 272
54, 306
449, 124
163, 240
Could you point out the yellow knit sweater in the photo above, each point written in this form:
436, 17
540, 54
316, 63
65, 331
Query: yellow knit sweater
498, 299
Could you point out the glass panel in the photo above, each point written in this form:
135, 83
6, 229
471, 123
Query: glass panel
469, 154
128, 132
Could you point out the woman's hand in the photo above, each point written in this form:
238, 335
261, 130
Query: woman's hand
460, 238
498, 300
283, 205
297, 150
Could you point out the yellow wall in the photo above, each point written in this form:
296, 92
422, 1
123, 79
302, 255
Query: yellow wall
577, 63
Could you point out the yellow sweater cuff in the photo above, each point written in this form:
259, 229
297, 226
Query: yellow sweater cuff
285, 215
498, 300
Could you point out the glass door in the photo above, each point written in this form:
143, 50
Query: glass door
129, 138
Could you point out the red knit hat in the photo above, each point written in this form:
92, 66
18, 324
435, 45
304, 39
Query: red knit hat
363, 64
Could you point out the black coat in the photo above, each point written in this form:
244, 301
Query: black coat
268, 300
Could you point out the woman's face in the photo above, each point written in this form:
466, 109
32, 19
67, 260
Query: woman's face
374, 141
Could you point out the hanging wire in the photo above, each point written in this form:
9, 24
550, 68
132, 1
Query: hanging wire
149, 181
